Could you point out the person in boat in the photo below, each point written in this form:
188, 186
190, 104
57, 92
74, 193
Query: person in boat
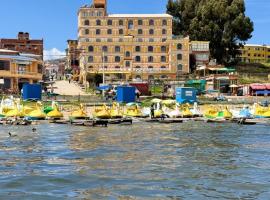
152, 111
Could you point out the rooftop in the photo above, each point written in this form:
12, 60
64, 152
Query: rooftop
14, 57
139, 15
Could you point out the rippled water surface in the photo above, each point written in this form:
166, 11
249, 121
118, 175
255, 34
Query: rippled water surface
192, 160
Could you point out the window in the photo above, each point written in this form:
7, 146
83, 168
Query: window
163, 76
140, 40
117, 49
117, 59
86, 31
138, 77
150, 59
138, 59
140, 31
150, 49
179, 46
130, 24
164, 22
90, 59
109, 31
163, 49
90, 68
121, 22
164, 31
179, 67
137, 67
98, 40
90, 48
179, 56
151, 40
40, 69
105, 59
110, 40
163, 58
109, 22
4, 65
163, 67
151, 77
117, 67
86, 23
98, 32
98, 22
151, 31
105, 49
150, 67
151, 22
127, 64
140, 22
127, 54
121, 31
137, 48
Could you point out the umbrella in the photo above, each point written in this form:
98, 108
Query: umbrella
156, 100
168, 102
233, 86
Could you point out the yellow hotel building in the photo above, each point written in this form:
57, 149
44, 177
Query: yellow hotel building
129, 46
15, 70
252, 53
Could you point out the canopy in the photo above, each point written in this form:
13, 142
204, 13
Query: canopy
222, 69
104, 87
258, 87
133, 104
156, 100
263, 92
168, 102
233, 86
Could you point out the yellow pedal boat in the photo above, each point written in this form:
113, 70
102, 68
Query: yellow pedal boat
79, 113
55, 113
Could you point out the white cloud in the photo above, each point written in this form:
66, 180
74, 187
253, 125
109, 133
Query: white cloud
53, 54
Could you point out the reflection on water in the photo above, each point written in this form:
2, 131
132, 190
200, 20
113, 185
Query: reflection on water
142, 161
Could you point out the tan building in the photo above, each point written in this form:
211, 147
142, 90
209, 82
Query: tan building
129, 46
15, 70
253, 53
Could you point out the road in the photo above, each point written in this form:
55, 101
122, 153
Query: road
65, 88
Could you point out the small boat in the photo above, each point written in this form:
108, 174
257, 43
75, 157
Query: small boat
79, 113
16, 111
36, 114
55, 113
196, 111
260, 111
185, 111
116, 111
244, 113
133, 110
214, 113
102, 112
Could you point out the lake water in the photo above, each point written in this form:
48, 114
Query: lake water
193, 160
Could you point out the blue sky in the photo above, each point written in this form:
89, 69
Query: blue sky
56, 20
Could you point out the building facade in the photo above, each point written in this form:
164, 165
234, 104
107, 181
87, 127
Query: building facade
200, 52
252, 53
24, 44
129, 46
15, 70
73, 55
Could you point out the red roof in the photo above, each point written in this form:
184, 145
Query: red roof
258, 87
267, 86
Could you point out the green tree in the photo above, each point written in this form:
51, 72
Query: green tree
222, 22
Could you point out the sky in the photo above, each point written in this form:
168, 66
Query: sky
56, 20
